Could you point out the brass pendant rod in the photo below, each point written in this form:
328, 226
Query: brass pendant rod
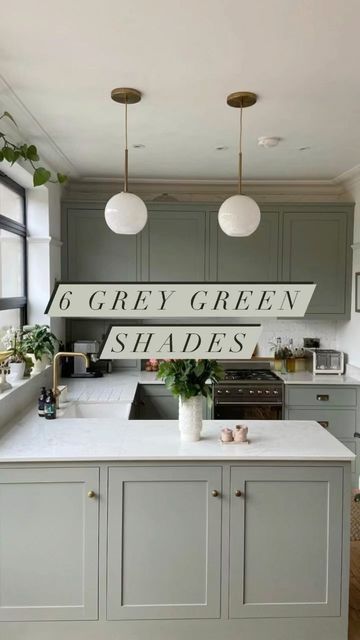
240, 152
126, 149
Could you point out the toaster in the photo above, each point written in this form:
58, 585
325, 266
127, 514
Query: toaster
325, 361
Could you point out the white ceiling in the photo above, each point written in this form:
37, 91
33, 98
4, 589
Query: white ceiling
60, 60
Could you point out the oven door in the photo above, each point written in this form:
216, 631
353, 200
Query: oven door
242, 411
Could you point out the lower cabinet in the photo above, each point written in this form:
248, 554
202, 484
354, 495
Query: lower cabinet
285, 542
48, 544
164, 543
184, 542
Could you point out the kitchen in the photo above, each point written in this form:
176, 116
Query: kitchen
126, 267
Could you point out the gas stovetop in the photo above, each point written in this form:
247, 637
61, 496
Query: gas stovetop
250, 375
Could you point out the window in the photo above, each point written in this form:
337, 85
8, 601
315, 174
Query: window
12, 255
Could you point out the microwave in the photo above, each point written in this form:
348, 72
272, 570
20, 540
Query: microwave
325, 361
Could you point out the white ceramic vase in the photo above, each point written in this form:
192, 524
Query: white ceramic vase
38, 365
190, 418
17, 370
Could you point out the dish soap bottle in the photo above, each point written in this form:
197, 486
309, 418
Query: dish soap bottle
41, 402
50, 406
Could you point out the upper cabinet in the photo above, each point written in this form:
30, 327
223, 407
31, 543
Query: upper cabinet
317, 248
184, 243
251, 259
95, 253
173, 244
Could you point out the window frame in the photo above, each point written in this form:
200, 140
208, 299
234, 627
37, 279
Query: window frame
7, 224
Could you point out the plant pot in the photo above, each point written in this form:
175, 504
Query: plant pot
190, 418
38, 365
17, 370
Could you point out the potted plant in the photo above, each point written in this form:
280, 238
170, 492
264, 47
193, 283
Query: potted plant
189, 381
15, 354
40, 343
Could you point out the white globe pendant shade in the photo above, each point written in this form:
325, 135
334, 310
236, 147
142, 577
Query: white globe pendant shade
239, 216
126, 213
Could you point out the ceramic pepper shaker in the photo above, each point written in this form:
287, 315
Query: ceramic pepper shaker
226, 435
240, 433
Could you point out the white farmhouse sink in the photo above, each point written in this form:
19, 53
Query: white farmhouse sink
98, 410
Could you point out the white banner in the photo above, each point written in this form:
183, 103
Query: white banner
180, 300
179, 342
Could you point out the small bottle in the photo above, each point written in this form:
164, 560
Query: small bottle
41, 402
290, 360
50, 406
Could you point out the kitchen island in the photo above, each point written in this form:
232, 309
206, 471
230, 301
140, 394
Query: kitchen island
114, 529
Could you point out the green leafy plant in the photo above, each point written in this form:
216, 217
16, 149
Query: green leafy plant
39, 340
189, 378
13, 152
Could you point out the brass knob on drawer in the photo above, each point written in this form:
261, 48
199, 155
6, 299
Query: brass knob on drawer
238, 493
215, 493
91, 494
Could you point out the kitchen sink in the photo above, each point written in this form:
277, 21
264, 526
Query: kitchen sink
98, 410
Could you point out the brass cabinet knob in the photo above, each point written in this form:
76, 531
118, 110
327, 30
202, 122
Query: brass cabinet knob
91, 494
215, 493
238, 493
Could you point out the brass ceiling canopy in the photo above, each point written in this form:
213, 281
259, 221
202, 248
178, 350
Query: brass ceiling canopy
241, 99
125, 95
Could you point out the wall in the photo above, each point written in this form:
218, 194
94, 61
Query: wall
348, 334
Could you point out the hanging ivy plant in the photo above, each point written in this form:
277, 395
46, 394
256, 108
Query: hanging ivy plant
12, 152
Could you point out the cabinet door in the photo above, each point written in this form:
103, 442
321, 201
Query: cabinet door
97, 254
173, 246
48, 544
250, 259
315, 250
164, 543
285, 542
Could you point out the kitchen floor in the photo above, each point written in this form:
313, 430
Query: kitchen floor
354, 609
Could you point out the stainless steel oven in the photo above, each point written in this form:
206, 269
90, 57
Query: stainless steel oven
248, 394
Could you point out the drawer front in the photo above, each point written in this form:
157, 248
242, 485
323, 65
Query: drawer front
321, 396
341, 423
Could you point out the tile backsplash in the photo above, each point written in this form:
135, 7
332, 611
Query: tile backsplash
297, 329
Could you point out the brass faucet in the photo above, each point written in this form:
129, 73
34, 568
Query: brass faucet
58, 355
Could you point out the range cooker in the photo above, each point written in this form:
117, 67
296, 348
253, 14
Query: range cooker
249, 391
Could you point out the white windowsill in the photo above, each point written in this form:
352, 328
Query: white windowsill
22, 393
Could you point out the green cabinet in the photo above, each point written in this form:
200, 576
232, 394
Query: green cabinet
317, 248
251, 259
49, 544
280, 564
184, 243
164, 543
335, 407
93, 253
174, 245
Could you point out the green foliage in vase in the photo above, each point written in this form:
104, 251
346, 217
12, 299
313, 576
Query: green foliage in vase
189, 378
11, 152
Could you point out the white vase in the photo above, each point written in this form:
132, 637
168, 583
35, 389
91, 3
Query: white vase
17, 370
190, 418
38, 365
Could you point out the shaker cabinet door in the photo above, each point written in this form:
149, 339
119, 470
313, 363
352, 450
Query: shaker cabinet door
164, 543
316, 249
285, 542
249, 259
48, 544
173, 245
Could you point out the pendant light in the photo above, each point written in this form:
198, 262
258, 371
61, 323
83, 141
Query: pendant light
125, 212
239, 215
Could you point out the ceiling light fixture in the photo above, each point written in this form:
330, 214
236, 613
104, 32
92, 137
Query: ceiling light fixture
125, 212
239, 215
268, 142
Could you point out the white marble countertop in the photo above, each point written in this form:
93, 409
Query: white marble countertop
305, 377
29, 438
